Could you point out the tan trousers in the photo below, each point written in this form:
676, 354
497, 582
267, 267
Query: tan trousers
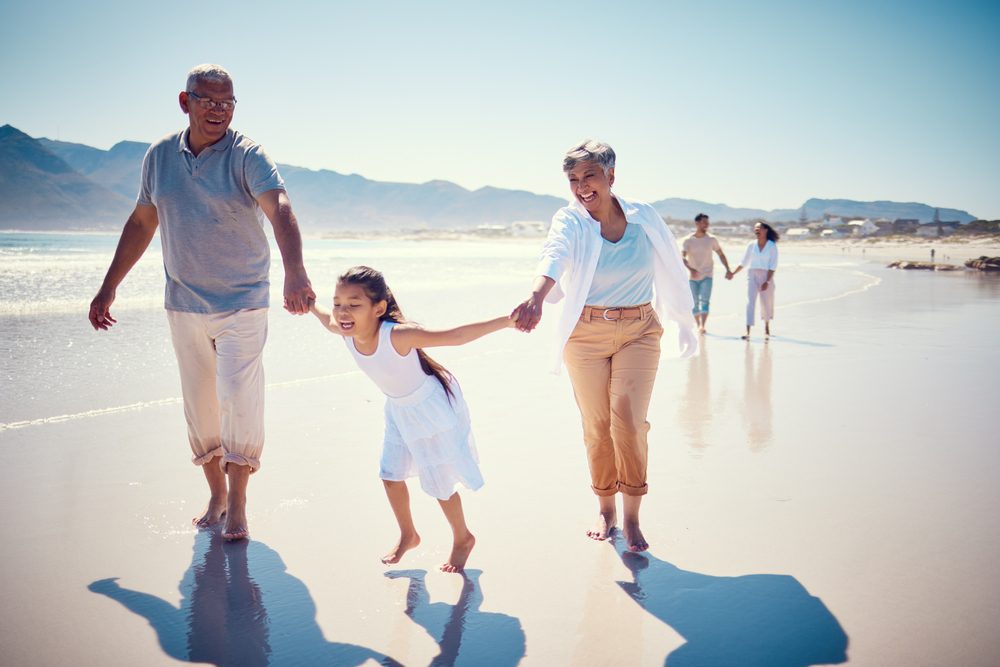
220, 356
612, 366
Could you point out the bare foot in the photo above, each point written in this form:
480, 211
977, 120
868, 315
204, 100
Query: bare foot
213, 513
633, 537
236, 522
604, 526
460, 551
747, 337
406, 542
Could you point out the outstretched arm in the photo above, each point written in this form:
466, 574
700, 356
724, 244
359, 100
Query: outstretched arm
277, 207
135, 238
325, 318
408, 336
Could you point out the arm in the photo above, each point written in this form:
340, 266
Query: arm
770, 274
773, 266
725, 262
299, 293
684, 258
408, 336
528, 313
135, 238
325, 318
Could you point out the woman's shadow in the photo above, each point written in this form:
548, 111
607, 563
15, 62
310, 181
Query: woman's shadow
465, 635
239, 606
757, 619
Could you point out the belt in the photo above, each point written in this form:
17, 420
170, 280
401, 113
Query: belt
614, 314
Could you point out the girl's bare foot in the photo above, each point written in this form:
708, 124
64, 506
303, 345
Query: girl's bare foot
604, 526
460, 551
406, 542
213, 513
633, 537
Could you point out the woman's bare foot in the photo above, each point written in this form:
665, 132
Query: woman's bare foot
604, 526
213, 512
460, 551
406, 542
633, 537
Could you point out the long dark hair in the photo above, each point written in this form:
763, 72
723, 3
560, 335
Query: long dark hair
373, 283
771, 234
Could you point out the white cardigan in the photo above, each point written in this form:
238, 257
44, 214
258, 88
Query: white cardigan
570, 256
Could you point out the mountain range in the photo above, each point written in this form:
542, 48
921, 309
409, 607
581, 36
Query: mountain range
47, 184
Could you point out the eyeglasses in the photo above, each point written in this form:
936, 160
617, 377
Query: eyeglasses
208, 103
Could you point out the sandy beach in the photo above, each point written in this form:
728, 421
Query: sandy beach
826, 497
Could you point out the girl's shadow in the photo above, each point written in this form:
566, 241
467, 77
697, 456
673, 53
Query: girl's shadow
465, 635
757, 619
239, 607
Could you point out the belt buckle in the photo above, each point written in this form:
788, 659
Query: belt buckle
608, 310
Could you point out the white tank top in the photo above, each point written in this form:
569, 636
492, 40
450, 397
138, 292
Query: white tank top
395, 375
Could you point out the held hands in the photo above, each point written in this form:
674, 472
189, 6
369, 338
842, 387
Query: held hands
528, 314
100, 310
299, 294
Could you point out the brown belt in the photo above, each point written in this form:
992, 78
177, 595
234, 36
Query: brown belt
614, 314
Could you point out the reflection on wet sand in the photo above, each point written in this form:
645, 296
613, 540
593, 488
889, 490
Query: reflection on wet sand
465, 635
757, 411
239, 607
750, 620
695, 407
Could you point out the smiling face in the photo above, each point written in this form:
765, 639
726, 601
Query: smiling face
207, 125
759, 231
591, 186
354, 311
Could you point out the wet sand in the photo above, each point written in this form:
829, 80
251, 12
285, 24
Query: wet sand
827, 496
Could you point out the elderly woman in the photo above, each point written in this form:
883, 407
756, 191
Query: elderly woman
761, 261
618, 266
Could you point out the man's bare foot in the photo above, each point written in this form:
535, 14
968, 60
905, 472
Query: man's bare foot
604, 526
406, 542
460, 551
236, 523
633, 537
213, 513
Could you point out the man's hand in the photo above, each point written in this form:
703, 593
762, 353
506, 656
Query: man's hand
100, 310
299, 294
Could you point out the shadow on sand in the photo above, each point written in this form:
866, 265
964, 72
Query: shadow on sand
239, 607
752, 620
465, 635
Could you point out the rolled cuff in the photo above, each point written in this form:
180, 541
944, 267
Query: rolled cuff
633, 490
239, 459
207, 458
610, 491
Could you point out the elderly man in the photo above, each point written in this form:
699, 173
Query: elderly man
204, 188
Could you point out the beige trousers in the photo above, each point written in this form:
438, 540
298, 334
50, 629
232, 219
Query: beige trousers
612, 366
220, 357
756, 278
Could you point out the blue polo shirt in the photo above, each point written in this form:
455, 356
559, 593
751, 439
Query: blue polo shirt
215, 253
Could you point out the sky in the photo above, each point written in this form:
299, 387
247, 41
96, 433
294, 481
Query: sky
751, 104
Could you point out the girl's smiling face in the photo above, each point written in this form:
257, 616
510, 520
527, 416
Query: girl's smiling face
354, 311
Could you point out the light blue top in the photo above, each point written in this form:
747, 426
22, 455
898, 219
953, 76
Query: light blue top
215, 254
624, 274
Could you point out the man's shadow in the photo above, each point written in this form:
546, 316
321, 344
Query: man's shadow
239, 607
757, 619
465, 635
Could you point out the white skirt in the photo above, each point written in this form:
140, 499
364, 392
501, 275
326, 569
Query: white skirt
429, 435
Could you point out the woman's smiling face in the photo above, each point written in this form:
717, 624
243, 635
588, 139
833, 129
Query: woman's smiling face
590, 185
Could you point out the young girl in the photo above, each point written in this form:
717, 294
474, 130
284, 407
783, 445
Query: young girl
427, 429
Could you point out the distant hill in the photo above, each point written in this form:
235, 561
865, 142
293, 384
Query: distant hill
48, 184
39, 190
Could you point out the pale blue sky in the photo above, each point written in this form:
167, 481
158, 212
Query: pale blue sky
750, 104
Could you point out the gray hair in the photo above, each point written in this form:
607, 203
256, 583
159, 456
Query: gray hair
207, 72
597, 152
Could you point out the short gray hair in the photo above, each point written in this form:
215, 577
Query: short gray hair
597, 152
207, 72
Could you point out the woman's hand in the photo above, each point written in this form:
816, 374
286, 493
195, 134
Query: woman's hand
763, 286
528, 313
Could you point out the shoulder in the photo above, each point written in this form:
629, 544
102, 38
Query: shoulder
245, 145
166, 143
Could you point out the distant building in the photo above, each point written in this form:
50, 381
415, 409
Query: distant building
935, 229
862, 227
527, 228
832, 221
905, 225
798, 233
831, 234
